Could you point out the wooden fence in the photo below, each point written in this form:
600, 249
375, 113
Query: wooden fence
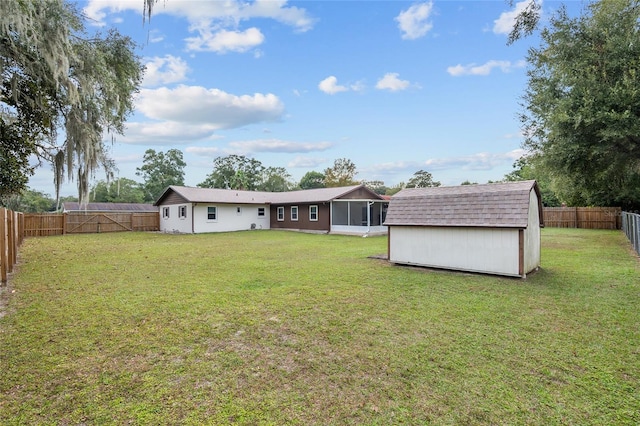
582, 217
44, 225
11, 236
631, 228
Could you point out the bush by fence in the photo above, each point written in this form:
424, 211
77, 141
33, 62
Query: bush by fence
631, 228
44, 225
582, 217
11, 235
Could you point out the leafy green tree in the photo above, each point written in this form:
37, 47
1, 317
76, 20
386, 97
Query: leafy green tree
29, 201
376, 186
121, 190
234, 172
275, 179
341, 174
532, 168
160, 170
582, 104
468, 182
422, 179
54, 76
395, 189
312, 180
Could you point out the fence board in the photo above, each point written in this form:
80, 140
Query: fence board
582, 217
631, 228
11, 223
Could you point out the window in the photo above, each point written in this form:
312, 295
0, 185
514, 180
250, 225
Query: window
294, 213
260, 211
313, 213
239, 211
165, 212
280, 214
212, 213
182, 212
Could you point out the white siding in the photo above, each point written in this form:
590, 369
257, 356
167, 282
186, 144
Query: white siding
532, 236
174, 223
229, 219
487, 250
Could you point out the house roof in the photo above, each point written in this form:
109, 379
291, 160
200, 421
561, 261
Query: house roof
503, 205
70, 206
232, 196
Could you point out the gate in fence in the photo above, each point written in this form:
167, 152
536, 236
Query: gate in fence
631, 228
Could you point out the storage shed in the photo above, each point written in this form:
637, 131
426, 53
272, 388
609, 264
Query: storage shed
490, 228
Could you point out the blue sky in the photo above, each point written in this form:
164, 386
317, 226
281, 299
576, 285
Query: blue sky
394, 86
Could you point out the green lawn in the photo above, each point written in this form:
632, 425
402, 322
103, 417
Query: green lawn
273, 327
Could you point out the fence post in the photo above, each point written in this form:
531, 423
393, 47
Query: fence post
3, 245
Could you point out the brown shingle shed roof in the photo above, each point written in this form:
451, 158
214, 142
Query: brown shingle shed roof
503, 205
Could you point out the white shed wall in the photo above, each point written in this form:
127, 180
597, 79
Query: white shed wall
532, 236
486, 250
174, 223
229, 219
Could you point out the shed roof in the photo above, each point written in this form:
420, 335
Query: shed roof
71, 206
232, 196
503, 205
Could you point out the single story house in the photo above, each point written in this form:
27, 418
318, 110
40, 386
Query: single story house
490, 228
350, 209
75, 207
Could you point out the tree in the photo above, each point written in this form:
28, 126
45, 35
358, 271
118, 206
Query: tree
275, 179
582, 104
53, 76
395, 189
160, 170
312, 180
376, 186
341, 174
29, 201
121, 190
234, 172
422, 179
532, 168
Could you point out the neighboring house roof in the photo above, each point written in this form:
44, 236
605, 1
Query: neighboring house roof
489, 205
232, 196
69, 206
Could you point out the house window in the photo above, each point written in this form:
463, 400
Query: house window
165, 212
313, 213
239, 210
182, 212
280, 214
212, 213
260, 211
294, 213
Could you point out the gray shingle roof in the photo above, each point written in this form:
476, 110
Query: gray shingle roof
232, 196
490, 205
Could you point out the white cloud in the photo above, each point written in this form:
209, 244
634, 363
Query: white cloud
414, 22
330, 85
478, 161
165, 133
215, 23
211, 107
391, 82
276, 145
484, 69
306, 162
504, 24
225, 41
164, 70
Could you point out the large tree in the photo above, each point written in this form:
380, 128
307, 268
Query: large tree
582, 103
121, 190
160, 170
312, 180
422, 179
342, 173
235, 172
275, 179
54, 76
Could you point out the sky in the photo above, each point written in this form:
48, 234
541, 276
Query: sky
394, 86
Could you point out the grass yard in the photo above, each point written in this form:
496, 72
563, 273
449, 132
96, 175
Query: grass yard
273, 328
